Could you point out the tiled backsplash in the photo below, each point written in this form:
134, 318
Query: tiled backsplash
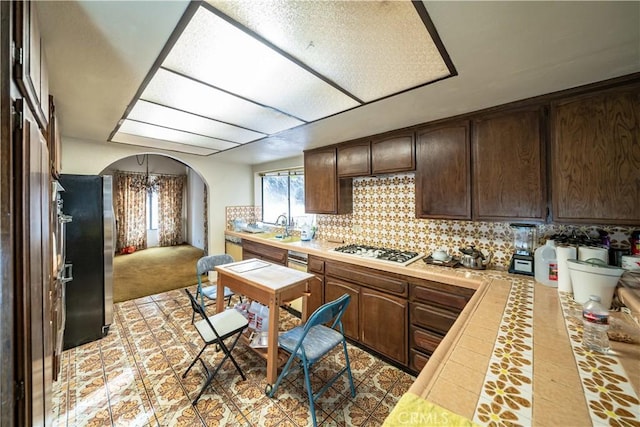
384, 215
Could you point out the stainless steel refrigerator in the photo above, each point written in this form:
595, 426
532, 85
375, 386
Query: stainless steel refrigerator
90, 239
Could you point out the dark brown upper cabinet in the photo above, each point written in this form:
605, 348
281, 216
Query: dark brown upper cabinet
595, 157
354, 159
443, 172
324, 192
393, 153
30, 68
509, 166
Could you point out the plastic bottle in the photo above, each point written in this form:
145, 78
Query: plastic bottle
595, 321
546, 264
262, 322
635, 242
254, 309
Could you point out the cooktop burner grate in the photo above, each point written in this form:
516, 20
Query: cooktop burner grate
395, 256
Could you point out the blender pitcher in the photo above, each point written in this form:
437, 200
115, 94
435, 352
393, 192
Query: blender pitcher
524, 245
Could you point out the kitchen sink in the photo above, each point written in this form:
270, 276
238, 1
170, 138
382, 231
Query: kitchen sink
286, 239
278, 237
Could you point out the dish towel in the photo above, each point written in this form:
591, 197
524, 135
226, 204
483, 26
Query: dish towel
412, 410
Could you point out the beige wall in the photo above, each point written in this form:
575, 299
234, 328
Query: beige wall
228, 183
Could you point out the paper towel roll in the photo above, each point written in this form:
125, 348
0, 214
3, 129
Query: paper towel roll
563, 253
587, 252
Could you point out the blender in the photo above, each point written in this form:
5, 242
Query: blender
524, 245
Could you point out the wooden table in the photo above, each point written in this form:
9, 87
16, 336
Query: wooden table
269, 284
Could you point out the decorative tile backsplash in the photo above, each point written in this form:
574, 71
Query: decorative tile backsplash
384, 215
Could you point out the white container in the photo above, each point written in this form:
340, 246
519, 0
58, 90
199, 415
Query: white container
254, 311
564, 253
588, 278
587, 252
546, 265
262, 319
630, 262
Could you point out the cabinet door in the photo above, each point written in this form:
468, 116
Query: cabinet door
509, 166
383, 324
443, 172
334, 289
595, 158
354, 159
53, 140
30, 71
324, 193
33, 299
393, 154
316, 289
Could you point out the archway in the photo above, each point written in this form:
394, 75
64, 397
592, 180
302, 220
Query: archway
157, 269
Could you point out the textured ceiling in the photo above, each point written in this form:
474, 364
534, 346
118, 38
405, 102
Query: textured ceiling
99, 54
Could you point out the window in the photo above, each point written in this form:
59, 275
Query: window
282, 193
152, 209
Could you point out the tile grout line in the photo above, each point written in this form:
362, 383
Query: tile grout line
127, 339
502, 399
176, 374
106, 384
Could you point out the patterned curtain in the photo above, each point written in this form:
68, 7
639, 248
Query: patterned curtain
131, 211
170, 192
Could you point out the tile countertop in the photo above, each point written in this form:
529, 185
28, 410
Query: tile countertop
550, 379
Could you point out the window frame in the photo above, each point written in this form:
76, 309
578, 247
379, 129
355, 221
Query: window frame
288, 173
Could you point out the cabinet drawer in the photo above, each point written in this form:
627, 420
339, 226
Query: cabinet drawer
433, 318
316, 265
267, 252
440, 297
424, 340
368, 277
417, 360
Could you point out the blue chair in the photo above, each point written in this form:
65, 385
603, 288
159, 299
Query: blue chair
311, 342
204, 266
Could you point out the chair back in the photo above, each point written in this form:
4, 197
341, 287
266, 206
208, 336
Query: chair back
208, 263
197, 308
330, 311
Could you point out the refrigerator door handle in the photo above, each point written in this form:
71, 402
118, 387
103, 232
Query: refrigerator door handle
67, 273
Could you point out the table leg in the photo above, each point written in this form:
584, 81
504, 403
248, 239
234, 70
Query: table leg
272, 350
305, 307
220, 290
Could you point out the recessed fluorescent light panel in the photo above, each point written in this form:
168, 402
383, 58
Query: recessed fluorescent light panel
235, 72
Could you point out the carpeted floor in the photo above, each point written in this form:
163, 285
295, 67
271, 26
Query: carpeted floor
154, 270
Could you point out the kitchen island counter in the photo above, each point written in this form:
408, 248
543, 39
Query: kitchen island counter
513, 354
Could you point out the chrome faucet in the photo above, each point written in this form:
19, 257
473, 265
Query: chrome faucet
285, 223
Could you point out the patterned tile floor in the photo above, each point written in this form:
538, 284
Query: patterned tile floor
133, 377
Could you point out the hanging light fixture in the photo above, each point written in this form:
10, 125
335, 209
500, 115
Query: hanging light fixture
144, 182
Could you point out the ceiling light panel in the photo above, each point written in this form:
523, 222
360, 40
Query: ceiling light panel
125, 138
371, 48
148, 112
182, 93
214, 51
158, 132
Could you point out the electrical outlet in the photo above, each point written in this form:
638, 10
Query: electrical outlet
357, 229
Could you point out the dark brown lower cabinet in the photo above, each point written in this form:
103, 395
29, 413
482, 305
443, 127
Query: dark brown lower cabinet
417, 360
383, 324
398, 317
434, 308
251, 249
315, 265
334, 289
378, 312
